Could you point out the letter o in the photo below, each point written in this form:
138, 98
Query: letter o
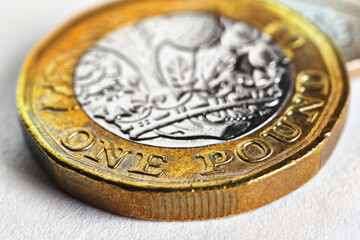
255, 150
80, 145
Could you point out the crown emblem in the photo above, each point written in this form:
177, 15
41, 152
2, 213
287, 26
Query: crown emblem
208, 82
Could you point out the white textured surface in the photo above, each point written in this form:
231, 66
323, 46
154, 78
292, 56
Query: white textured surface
31, 207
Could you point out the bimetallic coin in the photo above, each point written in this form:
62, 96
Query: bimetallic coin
183, 110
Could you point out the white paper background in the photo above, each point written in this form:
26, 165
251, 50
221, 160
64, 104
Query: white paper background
32, 207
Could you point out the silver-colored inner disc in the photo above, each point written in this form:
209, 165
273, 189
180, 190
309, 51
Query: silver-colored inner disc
183, 80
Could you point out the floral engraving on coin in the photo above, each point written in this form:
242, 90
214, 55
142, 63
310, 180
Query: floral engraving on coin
183, 80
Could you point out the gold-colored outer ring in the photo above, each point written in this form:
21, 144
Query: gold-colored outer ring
161, 201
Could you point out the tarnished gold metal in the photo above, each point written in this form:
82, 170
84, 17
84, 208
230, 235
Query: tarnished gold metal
188, 183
